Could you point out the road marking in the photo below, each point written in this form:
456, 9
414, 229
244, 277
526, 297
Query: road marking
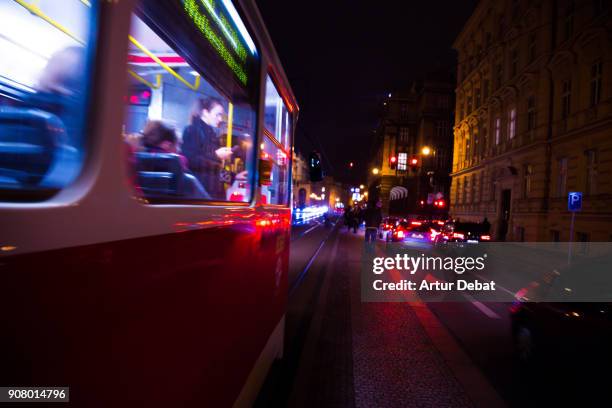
484, 309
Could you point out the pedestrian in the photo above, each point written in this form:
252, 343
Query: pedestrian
355, 218
348, 217
486, 225
372, 217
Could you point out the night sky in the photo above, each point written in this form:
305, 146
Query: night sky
342, 57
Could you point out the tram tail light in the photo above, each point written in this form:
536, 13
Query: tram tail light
485, 237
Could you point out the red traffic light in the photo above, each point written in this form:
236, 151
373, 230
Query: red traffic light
414, 161
392, 162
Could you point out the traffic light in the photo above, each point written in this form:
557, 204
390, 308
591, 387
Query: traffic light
392, 162
414, 161
314, 167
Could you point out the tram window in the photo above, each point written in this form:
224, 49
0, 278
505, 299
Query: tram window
44, 76
189, 141
277, 128
277, 117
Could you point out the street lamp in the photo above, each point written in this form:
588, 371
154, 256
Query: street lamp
375, 171
361, 186
426, 151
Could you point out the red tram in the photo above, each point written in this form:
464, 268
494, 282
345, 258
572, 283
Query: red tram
144, 200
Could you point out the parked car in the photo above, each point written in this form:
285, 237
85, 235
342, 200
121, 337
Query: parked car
579, 328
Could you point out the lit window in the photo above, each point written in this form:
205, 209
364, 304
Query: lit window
45, 86
189, 140
512, 123
402, 161
497, 130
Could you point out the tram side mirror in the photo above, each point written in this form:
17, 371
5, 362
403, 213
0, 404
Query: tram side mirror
265, 172
314, 167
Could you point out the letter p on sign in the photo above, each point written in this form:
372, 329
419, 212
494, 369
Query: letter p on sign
574, 201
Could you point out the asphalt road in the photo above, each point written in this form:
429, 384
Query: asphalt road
329, 359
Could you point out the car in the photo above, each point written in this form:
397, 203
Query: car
468, 232
420, 232
409, 230
386, 227
565, 315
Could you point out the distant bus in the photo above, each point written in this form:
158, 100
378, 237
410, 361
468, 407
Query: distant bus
144, 200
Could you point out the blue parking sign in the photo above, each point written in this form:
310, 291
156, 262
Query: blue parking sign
574, 201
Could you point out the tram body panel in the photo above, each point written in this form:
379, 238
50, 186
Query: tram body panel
180, 311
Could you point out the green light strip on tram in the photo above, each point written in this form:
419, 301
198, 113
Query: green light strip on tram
203, 24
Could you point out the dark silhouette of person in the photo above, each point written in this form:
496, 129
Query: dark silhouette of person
372, 217
486, 225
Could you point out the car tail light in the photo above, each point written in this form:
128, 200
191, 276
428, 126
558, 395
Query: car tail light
485, 237
432, 234
458, 235
416, 223
400, 234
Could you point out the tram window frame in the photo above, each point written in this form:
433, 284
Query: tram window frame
150, 14
89, 92
269, 137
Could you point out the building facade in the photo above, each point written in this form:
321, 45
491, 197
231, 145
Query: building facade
534, 119
306, 193
414, 147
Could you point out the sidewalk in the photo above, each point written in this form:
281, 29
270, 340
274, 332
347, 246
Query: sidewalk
380, 354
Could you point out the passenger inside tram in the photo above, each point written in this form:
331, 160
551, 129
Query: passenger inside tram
201, 143
160, 145
43, 90
215, 142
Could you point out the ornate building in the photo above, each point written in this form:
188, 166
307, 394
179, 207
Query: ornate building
413, 120
306, 193
534, 119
